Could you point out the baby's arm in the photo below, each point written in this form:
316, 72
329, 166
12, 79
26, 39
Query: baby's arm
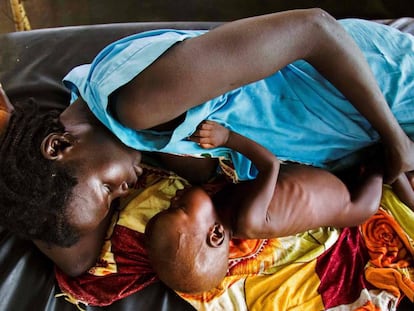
306, 197
252, 213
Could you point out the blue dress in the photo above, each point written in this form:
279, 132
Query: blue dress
295, 113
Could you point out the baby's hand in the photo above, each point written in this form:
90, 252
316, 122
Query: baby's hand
210, 134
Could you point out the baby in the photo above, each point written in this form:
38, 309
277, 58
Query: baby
188, 244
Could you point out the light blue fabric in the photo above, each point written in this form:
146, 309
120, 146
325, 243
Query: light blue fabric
295, 113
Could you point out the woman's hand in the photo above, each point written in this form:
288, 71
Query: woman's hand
210, 134
398, 160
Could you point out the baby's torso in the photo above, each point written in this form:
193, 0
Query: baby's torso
302, 194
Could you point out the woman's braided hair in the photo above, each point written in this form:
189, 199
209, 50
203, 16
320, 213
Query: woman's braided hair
34, 190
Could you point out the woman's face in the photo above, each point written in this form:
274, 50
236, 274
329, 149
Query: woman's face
105, 169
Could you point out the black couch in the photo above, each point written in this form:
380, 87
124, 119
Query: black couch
33, 64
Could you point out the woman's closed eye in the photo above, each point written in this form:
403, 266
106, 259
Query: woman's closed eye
109, 194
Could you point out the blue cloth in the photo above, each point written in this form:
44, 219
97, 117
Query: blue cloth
295, 113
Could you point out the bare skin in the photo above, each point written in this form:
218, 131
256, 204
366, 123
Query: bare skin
204, 67
102, 179
188, 239
282, 200
269, 204
194, 71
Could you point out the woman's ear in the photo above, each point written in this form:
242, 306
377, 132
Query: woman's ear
54, 145
216, 235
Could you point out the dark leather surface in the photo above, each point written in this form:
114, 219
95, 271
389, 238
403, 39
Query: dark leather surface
33, 64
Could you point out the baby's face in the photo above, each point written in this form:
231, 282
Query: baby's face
180, 234
192, 200
191, 212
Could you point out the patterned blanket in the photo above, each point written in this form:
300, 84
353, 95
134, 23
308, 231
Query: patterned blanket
370, 267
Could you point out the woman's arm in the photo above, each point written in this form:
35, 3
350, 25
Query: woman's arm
234, 54
252, 213
250, 49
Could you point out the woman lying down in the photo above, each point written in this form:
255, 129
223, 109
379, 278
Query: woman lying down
307, 87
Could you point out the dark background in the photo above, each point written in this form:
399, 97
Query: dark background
52, 13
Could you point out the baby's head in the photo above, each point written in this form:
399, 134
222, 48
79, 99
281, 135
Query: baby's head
187, 246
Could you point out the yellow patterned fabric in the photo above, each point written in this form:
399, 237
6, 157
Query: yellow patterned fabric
294, 273
369, 267
389, 239
271, 275
151, 196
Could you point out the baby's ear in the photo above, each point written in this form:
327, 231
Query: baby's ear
216, 235
6, 109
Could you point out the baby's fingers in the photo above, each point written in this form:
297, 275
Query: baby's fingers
204, 142
207, 146
202, 133
207, 124
209, 134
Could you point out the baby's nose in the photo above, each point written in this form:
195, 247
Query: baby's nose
124, 186
123, 189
